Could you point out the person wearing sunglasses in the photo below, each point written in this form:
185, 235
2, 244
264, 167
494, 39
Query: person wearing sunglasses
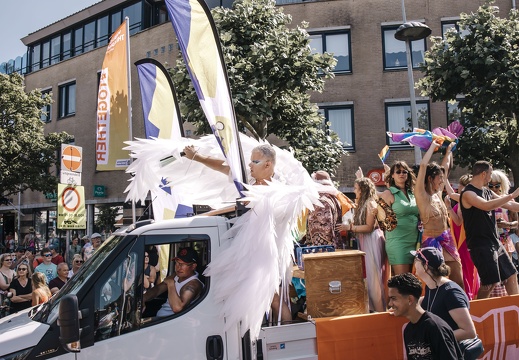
433, 212
6, 273
400, 181
21, 287
487, 252
77, 262
47, 268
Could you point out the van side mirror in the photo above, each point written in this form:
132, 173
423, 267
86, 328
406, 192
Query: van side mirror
68, 322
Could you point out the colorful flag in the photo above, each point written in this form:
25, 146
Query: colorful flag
384, 153
159, 103
113, 115
200, 47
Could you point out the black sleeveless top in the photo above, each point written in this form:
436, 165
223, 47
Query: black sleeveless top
480, 225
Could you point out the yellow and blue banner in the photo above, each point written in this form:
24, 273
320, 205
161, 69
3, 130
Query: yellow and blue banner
113, 116
200, 47
159, 102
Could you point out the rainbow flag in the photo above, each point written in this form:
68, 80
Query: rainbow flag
113, 115
384, 153
200, 47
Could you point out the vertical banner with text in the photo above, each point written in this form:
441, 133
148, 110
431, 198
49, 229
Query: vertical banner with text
71, 207
112, 106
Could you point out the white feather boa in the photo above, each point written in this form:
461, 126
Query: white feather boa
258, 249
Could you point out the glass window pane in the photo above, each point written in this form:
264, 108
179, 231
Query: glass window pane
337, 44
71, 99
394, 50
446, 27
45, 54
134, 13
78, 41
102, 31
45, 115
36, 57
90, 36
340, 122
55, 50
399, 118
316, 43
67, 43
116, 21
418, 50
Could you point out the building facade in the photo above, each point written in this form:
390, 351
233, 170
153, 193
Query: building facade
368, 96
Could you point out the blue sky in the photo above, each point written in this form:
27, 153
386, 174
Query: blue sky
22, 17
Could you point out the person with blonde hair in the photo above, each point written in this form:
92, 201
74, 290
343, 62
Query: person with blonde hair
77, 262
40, 291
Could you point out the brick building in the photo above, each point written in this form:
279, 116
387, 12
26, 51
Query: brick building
368, 96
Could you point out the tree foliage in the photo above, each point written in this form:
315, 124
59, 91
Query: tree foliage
271, 72
105, 219
26, 153
481, 64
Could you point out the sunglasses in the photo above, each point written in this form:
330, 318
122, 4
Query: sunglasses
399, 172
256, 161
22, 269
8, 259
492, 186
79, 261
47, 255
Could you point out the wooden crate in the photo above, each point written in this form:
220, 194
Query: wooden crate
346, 266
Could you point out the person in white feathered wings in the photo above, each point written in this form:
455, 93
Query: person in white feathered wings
258, 254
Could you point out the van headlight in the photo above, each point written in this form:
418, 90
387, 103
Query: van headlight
19, 355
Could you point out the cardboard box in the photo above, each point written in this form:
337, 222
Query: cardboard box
347, 297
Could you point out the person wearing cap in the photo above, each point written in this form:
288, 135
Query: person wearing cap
443, 297
88, 251
426, 335
74, 249
56, 257
183, 287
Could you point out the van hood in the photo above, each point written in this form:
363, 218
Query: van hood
19, 331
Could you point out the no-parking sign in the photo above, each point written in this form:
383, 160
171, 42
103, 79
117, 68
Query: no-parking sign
71, 207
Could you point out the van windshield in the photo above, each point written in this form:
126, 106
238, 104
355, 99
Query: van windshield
48, 312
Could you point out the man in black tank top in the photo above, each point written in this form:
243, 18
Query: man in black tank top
488, 254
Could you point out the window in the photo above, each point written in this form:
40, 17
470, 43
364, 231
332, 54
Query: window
67, 100
45, 54
134, 13
35, 57
46, 110
336, 43
102, 31
67, 45
339, 119
78, 41
116, 21
55, 50
89, 36
453, 110
394, 50
453, 24
120, 293
398, 118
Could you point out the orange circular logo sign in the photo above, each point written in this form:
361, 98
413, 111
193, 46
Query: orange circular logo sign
71, 158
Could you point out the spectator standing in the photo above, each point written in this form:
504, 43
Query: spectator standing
9, 242
74, 249
29, 239
57, 283
400, 196
77, 262
19, 256
371, 241
426, 336
487, 252
40, 291
47, 268
56, 256
96, 242
86, 250
21, 287
6, 273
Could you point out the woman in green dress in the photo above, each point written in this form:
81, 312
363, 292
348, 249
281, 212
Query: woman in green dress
400, 197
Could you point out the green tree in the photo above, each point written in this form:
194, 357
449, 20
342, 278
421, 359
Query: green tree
271, 73
482, 64
105, 219
26, 153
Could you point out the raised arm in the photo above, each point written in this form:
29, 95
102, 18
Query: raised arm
212, 163
470, 198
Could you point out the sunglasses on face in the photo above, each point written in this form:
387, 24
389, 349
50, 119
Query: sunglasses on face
8, 259
492, 186
399, 172
79, 261
256, 161
22, 269
47, 255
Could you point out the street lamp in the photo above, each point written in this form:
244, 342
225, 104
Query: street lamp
411, 31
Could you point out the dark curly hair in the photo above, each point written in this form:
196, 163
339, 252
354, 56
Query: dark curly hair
406, 284
411, 177
432, 170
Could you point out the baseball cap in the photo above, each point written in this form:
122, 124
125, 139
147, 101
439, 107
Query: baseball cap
95, 235
429, 255
53, 247
187, 254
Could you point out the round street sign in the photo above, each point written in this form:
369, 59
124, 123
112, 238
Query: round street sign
70, 199
71, 158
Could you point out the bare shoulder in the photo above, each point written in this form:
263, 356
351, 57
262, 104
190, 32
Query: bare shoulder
387, 196
195, 286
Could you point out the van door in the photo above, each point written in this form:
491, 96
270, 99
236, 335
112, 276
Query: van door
127, 327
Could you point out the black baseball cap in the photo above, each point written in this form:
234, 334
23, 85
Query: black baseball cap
187, 254
429, 255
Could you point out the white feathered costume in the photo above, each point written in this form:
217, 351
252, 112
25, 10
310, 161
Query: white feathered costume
258, 253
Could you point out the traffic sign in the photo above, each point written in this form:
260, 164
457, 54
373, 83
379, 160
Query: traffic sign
71, 207
71, 158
